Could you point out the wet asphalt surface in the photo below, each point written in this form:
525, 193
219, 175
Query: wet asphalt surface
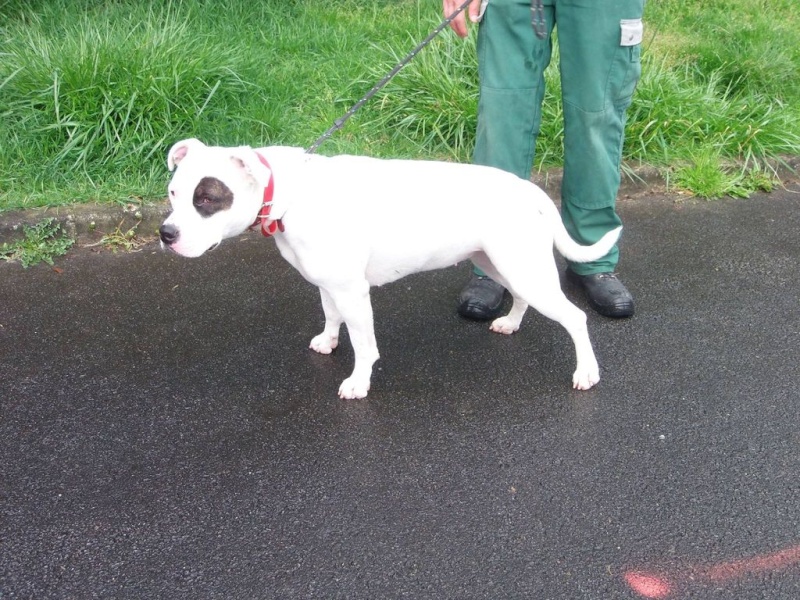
166, 433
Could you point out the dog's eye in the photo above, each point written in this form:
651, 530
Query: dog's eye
211, 196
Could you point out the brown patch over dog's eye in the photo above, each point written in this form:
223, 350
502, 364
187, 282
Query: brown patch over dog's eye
212, 196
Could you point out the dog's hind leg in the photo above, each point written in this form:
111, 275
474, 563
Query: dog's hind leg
538, 285
573, 319
353, 304
553, 304
326, 342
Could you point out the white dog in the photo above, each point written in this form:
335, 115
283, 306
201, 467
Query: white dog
348, 223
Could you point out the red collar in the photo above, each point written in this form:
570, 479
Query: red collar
269, 227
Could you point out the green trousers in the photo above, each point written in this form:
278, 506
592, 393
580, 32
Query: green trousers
599, 45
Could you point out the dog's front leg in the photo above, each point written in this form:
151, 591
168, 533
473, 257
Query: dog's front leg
354, 306
326, 342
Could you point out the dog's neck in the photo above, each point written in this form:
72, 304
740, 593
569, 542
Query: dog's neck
269, 226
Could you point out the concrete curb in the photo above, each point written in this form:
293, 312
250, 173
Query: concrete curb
87, 220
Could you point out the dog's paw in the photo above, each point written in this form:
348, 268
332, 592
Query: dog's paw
585, 379
504, 325
324, 343
352, 389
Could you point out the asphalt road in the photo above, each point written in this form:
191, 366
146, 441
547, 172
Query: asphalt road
166, 433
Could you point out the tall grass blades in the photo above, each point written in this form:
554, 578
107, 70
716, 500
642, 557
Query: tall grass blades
112, 87
92, 92
753, 47
677, 110
432, 102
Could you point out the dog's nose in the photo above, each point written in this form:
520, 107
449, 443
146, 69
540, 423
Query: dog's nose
169, 233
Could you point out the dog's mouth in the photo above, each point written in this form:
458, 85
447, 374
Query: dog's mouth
191, 246
180, 250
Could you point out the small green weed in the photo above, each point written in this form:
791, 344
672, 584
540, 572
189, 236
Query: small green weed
707, 176
121, 241
760, 180
41, 243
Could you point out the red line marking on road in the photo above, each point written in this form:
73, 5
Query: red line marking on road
735, 569
657, 586
648, 586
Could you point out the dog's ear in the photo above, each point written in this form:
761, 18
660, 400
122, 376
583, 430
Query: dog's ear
179, 151
246, 159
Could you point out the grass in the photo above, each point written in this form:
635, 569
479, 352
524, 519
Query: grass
708, 176
93, 93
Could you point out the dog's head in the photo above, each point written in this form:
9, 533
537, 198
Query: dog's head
215, 194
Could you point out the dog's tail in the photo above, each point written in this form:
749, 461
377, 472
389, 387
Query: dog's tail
573, 251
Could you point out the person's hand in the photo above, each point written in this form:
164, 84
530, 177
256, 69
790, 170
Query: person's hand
459, 24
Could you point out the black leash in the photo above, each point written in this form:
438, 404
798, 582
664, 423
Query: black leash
339, 123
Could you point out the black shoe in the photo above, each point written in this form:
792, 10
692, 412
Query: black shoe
606, 293
481, 299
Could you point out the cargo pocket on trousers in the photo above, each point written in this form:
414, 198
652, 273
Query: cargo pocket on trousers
629, 66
